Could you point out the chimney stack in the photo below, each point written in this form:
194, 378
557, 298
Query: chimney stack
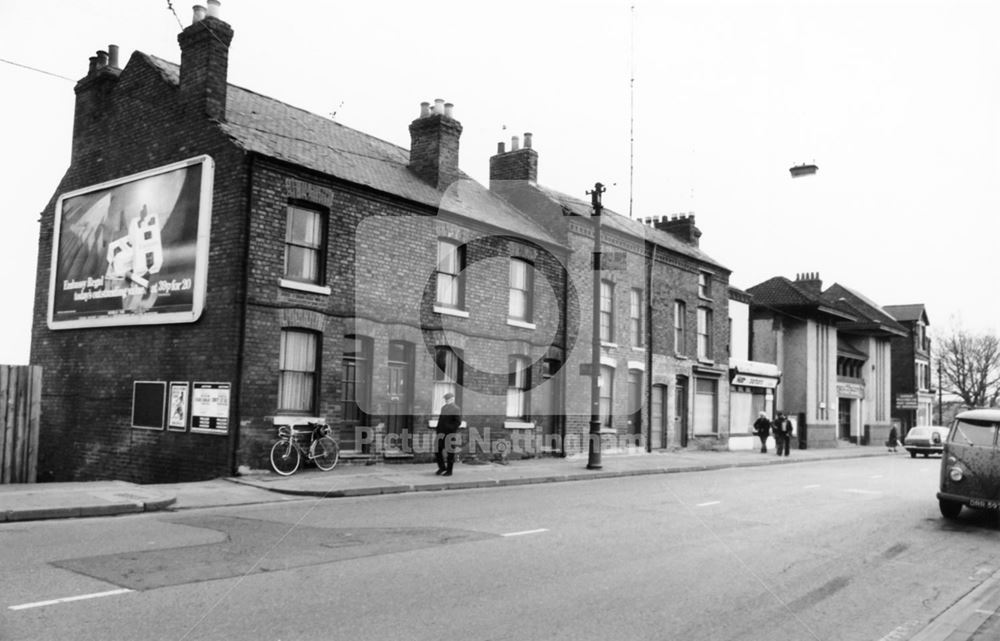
93, 102
434, 144
205, 63
810, 281
680, 226
520, 163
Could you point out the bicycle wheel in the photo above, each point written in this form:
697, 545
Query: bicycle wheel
285, 458
326, 452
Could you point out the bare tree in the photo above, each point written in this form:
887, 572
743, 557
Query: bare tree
970, 366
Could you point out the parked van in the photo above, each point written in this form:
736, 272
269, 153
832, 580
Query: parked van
970, 463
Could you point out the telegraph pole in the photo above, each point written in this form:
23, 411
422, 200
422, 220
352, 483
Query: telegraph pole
594, 451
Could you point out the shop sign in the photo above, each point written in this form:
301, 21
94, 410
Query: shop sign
748, 380
906, 401
850, 390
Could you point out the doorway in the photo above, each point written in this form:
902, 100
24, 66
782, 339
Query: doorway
844, 420
681, 409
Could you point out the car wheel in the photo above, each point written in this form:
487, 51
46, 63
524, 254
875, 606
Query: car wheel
949, 509
913, 455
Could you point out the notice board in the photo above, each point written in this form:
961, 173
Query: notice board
210, 408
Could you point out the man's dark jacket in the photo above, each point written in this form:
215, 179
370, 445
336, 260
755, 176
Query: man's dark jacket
450, 419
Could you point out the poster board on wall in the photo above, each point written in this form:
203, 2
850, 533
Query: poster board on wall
133, 251
149, 403
210, 408
177, 414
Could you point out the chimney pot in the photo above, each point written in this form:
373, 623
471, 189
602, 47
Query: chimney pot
449, 109
527, 140
213, 8
198, 13
438, 106
113, 56
93, 65
500, 148
102, 59
515, 143
425, 109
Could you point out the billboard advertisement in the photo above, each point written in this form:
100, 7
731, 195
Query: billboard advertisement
133, 251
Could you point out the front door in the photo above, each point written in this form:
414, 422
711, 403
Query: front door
844, 419
681, 410
399, 392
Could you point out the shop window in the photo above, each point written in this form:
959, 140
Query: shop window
706, 405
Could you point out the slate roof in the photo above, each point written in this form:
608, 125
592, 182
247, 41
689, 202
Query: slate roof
626, 225
274, 129
870, 316
907, 313
784, 295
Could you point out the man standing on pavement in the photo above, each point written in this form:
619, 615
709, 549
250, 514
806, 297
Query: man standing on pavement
449, 421
782, 434
762, 427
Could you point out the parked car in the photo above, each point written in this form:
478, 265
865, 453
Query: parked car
970, 464
925, 439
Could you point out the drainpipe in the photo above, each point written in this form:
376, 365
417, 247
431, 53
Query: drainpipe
649, 346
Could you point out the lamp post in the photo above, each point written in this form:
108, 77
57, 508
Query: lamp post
940, 399
594, 449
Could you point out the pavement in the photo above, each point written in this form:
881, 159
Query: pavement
27, 502
975, 617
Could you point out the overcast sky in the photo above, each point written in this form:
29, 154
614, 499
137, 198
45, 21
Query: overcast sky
897, 102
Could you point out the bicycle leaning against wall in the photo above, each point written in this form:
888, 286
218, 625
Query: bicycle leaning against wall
312, 441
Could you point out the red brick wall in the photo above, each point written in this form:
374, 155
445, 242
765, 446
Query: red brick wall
88, 373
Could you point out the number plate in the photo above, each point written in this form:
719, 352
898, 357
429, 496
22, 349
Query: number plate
983, 503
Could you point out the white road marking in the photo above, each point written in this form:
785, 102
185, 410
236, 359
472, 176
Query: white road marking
809, 487
79, 597
709, 503
863, 491
877, 476
538, 531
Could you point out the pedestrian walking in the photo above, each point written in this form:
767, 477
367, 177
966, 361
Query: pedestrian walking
782, 428
762, 428
893, 441
449, 421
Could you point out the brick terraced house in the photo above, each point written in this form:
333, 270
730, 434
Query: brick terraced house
215, 262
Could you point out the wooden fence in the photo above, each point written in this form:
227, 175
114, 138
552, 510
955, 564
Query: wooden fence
20, 413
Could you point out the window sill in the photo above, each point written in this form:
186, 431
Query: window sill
609, 345
638, 348
513, 322
513, 424
304, 287
296, 419
433, 423
450, 311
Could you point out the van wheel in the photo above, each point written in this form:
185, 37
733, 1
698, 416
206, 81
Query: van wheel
949, 509
913, 455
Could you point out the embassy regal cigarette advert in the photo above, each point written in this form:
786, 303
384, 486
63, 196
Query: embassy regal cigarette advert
134, 250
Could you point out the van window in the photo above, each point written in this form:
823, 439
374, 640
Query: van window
972, 432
